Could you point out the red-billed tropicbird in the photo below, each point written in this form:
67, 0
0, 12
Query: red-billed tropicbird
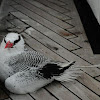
11, 45
27, 71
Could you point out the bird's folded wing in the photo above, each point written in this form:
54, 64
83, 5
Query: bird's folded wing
27, 58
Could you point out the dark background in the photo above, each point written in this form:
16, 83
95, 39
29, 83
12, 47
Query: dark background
90, 24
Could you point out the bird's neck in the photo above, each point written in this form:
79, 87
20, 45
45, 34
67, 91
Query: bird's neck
10, 51
7, 52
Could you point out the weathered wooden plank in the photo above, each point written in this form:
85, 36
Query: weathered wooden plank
41, 48
61, 92
65, 1
21, 97
16, 25
43, 14
17, 22
49, 10
40, 19
75, 21
89, 82
60, 40
81, 91
53, 6
27, 47
40, 27
95, 59
57, 2
82, 40
41, 37
98, 78
68, 4
9, 25
11, 9
92, 71
42, 94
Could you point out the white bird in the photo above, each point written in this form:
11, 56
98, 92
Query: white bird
27, 71
11, 45
33, 71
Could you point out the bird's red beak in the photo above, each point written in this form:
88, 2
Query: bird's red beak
9, 44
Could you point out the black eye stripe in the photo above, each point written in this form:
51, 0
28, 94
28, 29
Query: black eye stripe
5, 40
16, 41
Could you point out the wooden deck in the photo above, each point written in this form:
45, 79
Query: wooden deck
53, 27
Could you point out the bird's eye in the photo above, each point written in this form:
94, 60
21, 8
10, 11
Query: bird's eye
16, 41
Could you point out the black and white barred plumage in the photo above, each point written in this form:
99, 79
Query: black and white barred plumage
33, 70
26, 59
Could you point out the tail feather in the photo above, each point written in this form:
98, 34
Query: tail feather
60, 72
67, 64
68, 73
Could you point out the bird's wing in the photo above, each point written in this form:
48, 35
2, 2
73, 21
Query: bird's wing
21, 82
25, 82
26, 59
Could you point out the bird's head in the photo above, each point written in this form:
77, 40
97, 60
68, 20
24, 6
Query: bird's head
13, 40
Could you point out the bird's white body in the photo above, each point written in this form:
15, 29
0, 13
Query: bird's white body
26, 71
27, 86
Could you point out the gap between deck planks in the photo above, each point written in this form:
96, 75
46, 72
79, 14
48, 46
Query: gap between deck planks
42, 20
30, 5
98, 78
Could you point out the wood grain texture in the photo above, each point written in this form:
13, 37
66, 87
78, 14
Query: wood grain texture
89, 82
81, 91
61, 92
98, 78
43, 14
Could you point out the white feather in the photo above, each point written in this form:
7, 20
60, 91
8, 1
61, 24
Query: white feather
69, 74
